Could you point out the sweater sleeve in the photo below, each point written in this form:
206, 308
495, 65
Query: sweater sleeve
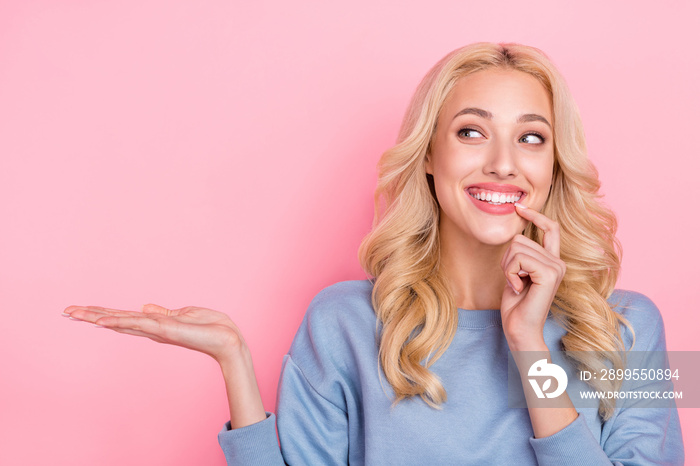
316, 385
252, 445
312, 420
312, 429
633, 435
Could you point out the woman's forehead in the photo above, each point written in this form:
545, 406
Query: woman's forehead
498, 93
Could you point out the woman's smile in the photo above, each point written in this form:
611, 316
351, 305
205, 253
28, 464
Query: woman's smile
495, 198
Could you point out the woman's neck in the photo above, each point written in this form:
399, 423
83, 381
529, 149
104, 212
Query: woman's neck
473, 271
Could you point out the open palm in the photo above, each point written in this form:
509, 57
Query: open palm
205, 330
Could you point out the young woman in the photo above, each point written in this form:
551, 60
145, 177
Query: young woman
488, 239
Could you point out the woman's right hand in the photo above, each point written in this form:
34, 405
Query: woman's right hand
196, 328
199, 329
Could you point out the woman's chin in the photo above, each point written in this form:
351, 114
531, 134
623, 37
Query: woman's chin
497, 241
497, 236
492, 231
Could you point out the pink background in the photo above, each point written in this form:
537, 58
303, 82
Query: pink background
222, 154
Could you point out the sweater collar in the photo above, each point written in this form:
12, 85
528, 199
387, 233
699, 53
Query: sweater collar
479, 319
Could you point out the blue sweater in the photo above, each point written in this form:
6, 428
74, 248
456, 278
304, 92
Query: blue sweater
335, 405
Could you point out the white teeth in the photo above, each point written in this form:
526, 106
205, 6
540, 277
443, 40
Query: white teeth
496, 198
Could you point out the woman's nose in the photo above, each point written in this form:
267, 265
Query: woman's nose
500, 160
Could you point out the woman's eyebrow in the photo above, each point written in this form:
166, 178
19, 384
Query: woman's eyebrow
475, 111
525, 118
533, 117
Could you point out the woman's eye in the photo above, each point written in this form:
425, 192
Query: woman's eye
469, 133
532, 138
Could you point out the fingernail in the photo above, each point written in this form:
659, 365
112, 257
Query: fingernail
511, 287
517, 204
65, 315
99, 326
523, 273
73, 318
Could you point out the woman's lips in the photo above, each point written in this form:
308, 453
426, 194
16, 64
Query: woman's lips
495, 201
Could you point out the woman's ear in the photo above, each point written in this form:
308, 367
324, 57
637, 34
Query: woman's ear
428, 162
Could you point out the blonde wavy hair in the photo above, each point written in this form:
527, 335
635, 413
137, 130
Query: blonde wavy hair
411, 297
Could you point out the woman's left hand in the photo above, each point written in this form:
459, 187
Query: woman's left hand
534, 273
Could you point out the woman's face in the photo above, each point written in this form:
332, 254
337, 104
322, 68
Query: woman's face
493, 146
